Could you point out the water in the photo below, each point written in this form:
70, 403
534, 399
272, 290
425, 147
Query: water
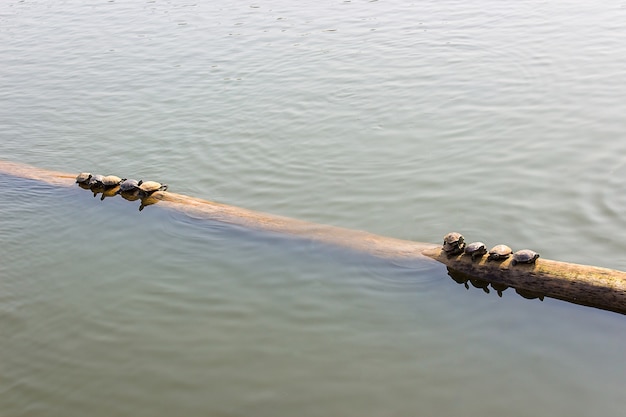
503, 121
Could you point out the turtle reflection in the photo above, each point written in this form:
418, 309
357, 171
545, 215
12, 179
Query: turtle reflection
459, 277
84, 186
110, 192
129, 195
97, 189
529, 295
148, 201
481, 284
499, 288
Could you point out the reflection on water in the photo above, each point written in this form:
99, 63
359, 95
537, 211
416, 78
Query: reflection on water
500, 288
463, 279
147, 199
530, 295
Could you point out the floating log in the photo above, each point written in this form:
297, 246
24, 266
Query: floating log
380, 246
580, 284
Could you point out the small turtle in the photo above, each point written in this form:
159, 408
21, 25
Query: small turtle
476, 250
524, 256
453, 238
149, 187
453, 243
499, 253
129, 186
96, 180
83, 178
111, 181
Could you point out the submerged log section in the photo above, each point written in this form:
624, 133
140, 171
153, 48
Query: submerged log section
581, 284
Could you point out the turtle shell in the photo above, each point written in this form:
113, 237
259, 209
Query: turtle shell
129, 185
525, 256
499, 253
83, 177
453, 238
476, 249
453, 243
96, 180
111, 180
152, 186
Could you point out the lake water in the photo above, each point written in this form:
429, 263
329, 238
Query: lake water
504, 121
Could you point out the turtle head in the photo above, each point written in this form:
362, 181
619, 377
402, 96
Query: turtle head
140, 182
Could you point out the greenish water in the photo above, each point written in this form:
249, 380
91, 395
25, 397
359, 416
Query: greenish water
502, 121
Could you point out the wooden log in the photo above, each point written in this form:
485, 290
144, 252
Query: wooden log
380, 246
580, 284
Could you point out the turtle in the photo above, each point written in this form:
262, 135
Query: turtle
499, 253
149, 187
112, 180
129, 186
83, 178
476, 250
524, 256
96, 180
453, 243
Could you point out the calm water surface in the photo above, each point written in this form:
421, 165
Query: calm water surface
408, 119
